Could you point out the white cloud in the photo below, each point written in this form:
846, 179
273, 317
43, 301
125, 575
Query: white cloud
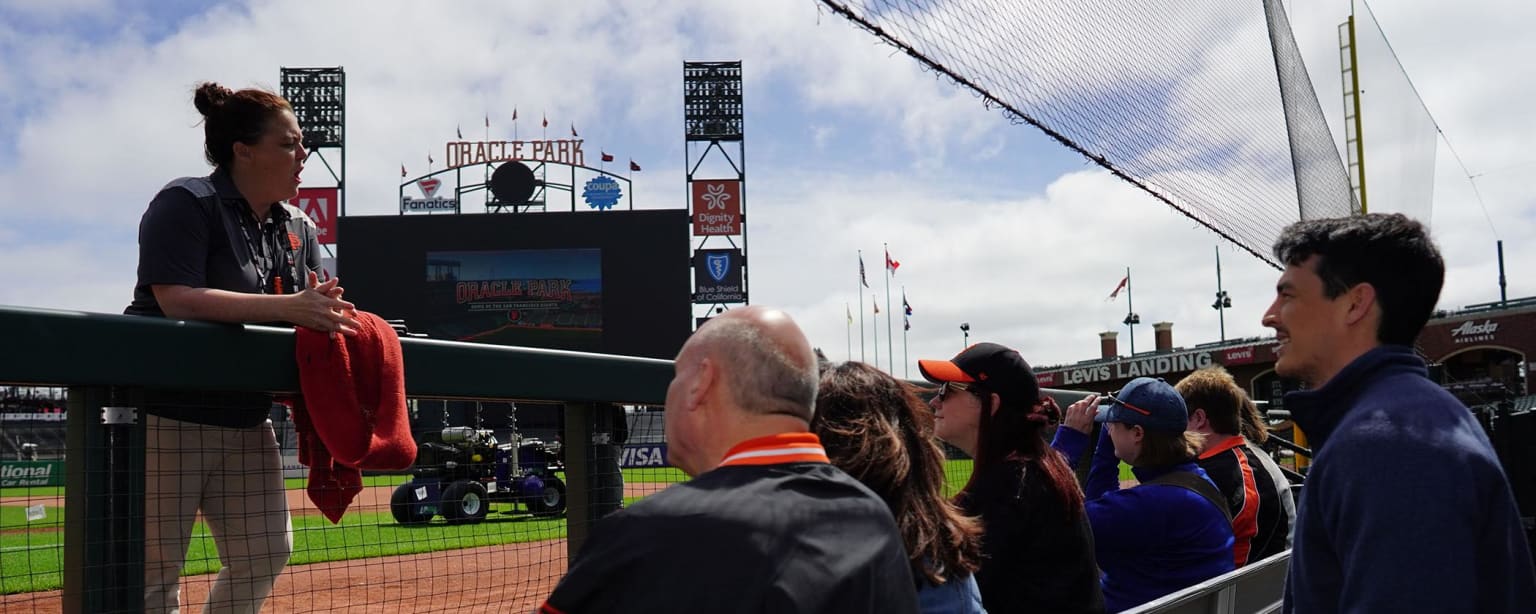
104, 122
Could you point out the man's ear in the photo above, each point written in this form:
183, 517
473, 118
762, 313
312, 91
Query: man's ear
997, 402
1362, 303
1198, 419
703, 385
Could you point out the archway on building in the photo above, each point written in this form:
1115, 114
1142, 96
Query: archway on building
1488, 368
1269, 389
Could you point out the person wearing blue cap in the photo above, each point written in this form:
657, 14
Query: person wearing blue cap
1168, 533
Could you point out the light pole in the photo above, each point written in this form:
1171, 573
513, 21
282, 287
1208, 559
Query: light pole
1223, 302
1131, 317
965, 330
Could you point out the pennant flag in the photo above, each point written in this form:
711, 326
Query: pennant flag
546, 121
633, 166
429, 159
862, 279
487, 121
1118, 287
876, 304
460, 132
402, 171
573, 130
514, 113
904, 304
607, 157
906, 323
850, 313
890, 264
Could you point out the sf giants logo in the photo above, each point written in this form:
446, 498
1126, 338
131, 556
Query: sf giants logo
320, 205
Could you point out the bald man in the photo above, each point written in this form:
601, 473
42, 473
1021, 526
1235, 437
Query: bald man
766, 524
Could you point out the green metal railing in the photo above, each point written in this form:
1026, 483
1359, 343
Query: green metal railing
108, 360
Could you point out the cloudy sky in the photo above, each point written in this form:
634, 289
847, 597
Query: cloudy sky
851, 145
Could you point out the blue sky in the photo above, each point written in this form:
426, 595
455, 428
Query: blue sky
849, 145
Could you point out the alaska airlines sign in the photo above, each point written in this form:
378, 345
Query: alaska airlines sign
1470, 332
1126, 369
469, 153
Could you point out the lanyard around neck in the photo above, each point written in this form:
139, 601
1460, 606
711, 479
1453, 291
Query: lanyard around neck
266, 266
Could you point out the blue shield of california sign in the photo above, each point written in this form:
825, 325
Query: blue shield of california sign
718, 265
717, 276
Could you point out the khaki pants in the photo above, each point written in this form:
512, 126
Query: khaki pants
235, 477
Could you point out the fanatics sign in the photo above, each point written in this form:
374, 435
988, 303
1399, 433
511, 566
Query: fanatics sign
716, 207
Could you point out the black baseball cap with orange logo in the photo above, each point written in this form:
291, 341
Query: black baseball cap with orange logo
990, 366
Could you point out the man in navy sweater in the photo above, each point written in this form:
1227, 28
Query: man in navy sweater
1406, 508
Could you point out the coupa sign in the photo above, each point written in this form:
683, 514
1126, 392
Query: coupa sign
643, 455
31, 473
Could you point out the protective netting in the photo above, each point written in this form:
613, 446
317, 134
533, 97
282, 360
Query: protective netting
1191, 101
1400, 135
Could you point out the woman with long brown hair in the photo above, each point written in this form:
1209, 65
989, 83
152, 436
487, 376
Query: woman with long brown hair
876, 429
1037, 548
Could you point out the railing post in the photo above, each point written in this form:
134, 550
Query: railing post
578, 476
104, 501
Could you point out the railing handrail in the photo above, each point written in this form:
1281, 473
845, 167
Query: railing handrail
1209, 591
63, 348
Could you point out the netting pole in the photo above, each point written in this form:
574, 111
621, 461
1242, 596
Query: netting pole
103, 502
1354, 73
577, 440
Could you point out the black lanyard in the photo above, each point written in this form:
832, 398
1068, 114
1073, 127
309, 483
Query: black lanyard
267, 268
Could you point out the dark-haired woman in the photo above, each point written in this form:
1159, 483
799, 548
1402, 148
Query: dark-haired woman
227, 248
1037, 547
877, 430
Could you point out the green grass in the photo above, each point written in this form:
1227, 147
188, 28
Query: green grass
32, 491
956, 472
315, 540
368, 480
32, 559
654, 475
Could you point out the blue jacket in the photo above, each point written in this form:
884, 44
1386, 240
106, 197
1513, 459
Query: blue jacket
1406, 508
1153, 539
957, 596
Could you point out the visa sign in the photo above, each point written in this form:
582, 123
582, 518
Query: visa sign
643, 455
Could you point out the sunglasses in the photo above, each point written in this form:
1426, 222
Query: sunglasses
951, 387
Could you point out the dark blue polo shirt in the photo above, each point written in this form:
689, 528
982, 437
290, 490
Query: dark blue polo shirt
200, 232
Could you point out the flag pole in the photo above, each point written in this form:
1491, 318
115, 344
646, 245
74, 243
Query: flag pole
875, 333
858, 287
890, 349
849, 327
905, 326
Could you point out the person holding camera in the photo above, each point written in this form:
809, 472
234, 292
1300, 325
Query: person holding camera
1168, 533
